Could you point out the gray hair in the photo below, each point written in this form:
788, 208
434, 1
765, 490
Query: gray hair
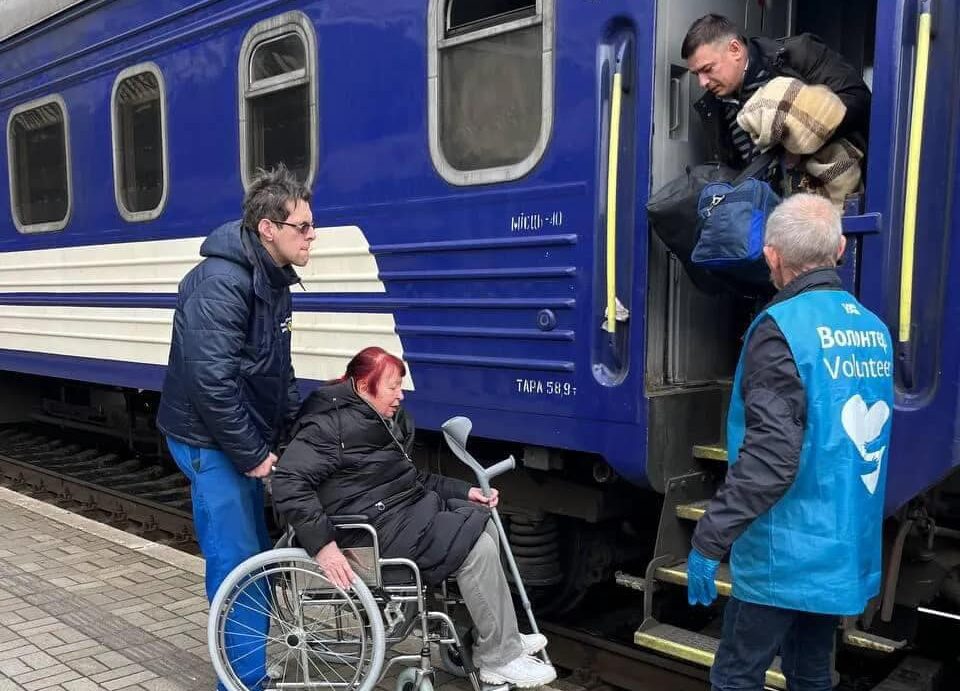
270, 193
805, 229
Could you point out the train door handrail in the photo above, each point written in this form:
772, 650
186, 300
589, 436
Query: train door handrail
904, 342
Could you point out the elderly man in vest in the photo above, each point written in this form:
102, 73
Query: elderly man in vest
808, 435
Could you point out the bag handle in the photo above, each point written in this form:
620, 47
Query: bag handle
758, 164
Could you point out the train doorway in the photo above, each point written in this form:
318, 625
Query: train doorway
694, 336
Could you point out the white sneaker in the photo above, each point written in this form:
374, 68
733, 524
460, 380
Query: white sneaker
523, 672
533, 643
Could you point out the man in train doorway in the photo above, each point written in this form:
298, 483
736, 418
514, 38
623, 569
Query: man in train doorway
801, 509
230, 389
732, 69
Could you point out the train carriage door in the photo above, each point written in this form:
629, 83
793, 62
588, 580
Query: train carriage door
693, 336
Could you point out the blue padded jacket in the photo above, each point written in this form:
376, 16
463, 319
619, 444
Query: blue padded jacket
230, 383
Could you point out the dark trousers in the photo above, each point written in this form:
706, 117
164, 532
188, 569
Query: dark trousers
754, 634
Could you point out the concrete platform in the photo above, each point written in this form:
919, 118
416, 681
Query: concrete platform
84, 606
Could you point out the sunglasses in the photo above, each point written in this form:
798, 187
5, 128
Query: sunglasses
302, 228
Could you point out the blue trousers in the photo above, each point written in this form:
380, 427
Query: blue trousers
754, 634
230, 526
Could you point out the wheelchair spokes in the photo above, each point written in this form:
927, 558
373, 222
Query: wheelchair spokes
285, 617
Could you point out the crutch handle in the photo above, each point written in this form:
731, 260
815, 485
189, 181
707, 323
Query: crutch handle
487, 474
500, 468
455, 431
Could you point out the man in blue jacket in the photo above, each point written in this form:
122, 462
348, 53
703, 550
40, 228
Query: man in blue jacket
808, 433
230, 389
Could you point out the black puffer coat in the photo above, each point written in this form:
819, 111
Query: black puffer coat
229, 382
346, 459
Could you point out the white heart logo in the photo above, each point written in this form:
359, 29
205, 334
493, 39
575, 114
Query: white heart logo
863, 425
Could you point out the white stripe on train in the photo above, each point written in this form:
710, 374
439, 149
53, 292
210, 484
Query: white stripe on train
341, 262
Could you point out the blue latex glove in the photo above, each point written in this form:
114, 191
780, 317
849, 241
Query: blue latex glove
701, 571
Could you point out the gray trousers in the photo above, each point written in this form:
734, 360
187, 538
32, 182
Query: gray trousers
484, 589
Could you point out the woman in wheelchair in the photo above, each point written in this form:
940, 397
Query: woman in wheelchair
350, 455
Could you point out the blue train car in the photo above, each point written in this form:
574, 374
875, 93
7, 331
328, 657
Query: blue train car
472, 215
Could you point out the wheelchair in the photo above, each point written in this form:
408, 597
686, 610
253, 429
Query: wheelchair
320, 636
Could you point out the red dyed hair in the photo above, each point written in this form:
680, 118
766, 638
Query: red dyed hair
370, 364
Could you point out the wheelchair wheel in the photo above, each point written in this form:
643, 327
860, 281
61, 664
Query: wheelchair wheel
455, 660
452, 662
277, 612
407, 681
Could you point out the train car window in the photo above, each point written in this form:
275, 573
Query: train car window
39, 164
278, 94
491, 87
467, 15
140, 142
279, 57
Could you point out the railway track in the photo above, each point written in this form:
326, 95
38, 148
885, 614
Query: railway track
143, 494
130, 492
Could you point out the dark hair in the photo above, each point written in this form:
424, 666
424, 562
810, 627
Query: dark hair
269, 195
710, 28
369, 365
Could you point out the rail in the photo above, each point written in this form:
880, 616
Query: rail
38, 465
905, 349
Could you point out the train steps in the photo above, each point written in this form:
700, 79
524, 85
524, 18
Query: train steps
710, 452
693, 511
685, 502
692, 647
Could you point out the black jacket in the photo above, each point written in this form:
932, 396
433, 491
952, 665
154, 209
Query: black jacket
802, 57
229, 381
346, 459
775, 407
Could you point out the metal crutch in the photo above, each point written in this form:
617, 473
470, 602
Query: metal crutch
455, 432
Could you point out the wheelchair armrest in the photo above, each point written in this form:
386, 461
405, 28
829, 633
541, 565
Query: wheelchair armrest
347, 518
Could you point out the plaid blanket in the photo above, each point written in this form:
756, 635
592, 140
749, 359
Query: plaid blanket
803, 118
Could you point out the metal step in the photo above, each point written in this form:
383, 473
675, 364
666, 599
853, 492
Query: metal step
710, 452
693, 511
678, 576
692, 647
869, 641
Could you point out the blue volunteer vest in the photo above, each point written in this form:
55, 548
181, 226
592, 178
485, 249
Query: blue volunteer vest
818, 548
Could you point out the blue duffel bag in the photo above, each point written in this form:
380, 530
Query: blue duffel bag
731, 220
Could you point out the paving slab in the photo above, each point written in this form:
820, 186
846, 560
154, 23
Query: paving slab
85, 606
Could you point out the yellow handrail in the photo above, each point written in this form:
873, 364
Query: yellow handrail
913, 176
613, 163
